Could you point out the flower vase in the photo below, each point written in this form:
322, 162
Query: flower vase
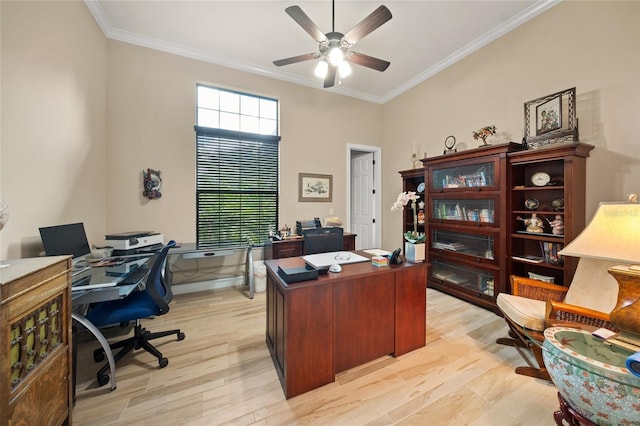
414, 252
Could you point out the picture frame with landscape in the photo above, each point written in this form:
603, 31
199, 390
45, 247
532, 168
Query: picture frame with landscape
315, 187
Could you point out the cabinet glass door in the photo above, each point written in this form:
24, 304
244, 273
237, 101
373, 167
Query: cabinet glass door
477, 246
464, 209
475, 280
464, 176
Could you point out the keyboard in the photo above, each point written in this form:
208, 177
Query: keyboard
135, 276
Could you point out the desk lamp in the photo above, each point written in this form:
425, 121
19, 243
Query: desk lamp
614, 234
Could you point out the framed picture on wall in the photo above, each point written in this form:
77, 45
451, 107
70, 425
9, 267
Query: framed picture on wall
313, 187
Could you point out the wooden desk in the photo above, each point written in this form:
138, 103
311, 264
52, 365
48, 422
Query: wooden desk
293, 246
321, 327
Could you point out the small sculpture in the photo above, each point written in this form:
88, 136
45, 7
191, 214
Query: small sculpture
484, 133
557, 225
534, 223
152, 184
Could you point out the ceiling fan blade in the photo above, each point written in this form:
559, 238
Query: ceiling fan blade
368, 61
306, 23
330, 78
368, 24
295, 59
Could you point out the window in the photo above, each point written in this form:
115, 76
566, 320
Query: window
237, 153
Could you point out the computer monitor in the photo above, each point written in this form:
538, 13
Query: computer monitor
65, 239
322, 240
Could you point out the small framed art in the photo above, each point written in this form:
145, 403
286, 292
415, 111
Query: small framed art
551, 119
313, 187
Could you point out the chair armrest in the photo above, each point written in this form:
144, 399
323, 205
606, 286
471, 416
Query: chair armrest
535, 289
573, 313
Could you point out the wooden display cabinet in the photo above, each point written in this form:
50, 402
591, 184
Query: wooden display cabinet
466, 216
36, 353
561, 198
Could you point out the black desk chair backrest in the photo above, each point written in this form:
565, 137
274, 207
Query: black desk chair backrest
158, 283
322, 240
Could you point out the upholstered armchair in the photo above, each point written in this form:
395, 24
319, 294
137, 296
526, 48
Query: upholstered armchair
527, 310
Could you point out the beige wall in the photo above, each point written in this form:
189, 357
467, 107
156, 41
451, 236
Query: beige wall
151, 114
594, 46
53, 166
68, 93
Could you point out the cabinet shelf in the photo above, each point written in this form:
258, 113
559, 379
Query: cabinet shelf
566, 164
538, 188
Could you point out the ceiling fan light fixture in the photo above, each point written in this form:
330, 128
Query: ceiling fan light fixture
336, 56
321, 69
344, 69
334, 53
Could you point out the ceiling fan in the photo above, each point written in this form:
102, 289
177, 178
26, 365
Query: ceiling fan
334, 47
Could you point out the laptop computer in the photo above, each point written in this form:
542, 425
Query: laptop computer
69, 239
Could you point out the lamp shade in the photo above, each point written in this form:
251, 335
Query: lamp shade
612, 234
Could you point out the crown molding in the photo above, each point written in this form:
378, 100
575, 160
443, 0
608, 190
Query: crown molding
152, 43
495, 33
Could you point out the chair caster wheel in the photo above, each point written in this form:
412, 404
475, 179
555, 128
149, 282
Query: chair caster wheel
163, 362
98, 355
181, 336
103, 380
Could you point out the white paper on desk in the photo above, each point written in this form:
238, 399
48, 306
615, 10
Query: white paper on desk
322, 260
377, 252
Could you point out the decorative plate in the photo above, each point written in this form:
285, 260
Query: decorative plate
421, 187
557, 204
531, 204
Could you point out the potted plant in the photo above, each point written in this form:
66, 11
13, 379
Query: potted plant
414, 247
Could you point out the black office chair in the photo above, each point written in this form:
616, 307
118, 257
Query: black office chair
322, 240
153, 300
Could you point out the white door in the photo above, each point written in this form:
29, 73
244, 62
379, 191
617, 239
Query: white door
362, 199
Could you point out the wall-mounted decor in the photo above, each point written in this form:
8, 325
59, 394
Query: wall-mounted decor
312, 187
151, 184
551, 119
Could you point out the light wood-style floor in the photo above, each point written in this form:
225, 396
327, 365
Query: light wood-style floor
222, 373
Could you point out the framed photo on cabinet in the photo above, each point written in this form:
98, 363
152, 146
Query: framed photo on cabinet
551, 119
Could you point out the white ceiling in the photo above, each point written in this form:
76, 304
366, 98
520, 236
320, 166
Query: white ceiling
421, 39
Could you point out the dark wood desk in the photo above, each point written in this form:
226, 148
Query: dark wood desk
293, 246
321, 327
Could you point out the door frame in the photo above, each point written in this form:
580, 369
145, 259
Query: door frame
377, 185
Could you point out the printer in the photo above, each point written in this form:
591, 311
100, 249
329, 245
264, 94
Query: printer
134, 240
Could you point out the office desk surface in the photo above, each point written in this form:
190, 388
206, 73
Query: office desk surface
320, 327
85, 297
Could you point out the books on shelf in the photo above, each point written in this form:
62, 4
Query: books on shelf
529, 258
550, 252
449, 246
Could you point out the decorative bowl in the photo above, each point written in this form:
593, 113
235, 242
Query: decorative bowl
557, 204
531, 203
592, 376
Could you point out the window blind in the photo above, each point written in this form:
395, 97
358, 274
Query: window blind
236, 187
